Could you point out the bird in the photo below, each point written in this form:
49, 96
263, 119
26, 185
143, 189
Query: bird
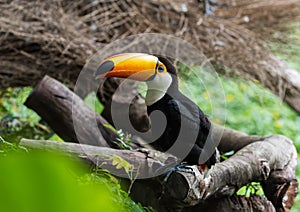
185, 123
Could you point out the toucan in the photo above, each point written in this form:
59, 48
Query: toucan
186, 124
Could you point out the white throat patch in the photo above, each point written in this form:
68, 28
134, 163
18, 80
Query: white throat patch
157, 87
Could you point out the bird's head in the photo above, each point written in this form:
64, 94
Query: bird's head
157, 72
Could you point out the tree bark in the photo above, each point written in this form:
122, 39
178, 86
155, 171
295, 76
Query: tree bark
269, 160
140, 160
61, 108
137, 108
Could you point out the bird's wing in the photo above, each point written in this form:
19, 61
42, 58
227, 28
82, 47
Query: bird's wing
193, 115
188, 108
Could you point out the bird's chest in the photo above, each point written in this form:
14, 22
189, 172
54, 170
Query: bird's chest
167, 121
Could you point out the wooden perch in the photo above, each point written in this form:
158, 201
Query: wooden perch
60, 108
141, 160
269, 160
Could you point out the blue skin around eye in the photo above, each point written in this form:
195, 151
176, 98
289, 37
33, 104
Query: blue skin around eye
160, 69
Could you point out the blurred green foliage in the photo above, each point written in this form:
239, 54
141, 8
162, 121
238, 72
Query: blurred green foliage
48, 182
93, 103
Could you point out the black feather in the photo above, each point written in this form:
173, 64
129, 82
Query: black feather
181, 114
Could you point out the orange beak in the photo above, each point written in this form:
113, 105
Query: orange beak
136, 66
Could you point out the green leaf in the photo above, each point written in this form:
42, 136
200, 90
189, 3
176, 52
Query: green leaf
119, 163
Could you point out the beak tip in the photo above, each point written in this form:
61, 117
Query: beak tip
99, 76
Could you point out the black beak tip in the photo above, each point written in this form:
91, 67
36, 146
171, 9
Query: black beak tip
105, 67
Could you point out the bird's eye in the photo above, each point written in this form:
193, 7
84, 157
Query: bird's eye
160, 69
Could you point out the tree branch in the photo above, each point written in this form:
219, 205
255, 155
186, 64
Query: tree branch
141, 160
61, 108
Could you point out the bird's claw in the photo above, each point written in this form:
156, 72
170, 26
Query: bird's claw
181, 168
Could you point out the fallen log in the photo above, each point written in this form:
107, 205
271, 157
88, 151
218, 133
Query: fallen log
61, 108
269, 160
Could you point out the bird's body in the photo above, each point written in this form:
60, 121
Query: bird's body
181, 113
177, 113
186, 126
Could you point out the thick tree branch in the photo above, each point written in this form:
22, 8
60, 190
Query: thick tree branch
60, 108
270, 160
141, 160
234, 140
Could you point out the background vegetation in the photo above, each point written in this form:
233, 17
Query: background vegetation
250, 108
